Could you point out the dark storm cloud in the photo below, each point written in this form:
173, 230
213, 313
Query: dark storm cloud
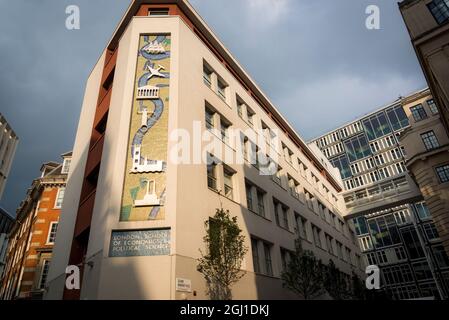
314, 58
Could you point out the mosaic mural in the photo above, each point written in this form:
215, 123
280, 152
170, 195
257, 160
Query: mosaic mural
145, 180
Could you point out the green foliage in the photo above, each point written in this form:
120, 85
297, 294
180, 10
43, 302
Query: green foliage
335, 282
221, 264
304, 274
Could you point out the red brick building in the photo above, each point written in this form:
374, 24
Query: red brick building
32, 237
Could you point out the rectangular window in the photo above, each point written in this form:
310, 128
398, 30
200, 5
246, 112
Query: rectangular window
268, 262
250, 116
443, 173
255, 253
301, 225
210, 119
397, 117
59, 198
418, 112
66, 166
224, 131
316, 236
439, 10
212, 175
228, 184
261, 202
430, 140
207, 75
249, 197
432, 106
44, 273
158, 12
52, 232
221, 89
276, 213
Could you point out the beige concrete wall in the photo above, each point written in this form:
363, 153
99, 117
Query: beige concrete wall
64, 236
422, 164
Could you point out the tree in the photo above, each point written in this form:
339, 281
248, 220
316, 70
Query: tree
221, 264
358, 287
335, 282
304, 273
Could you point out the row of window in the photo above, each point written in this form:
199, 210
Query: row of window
216, 122
374, 176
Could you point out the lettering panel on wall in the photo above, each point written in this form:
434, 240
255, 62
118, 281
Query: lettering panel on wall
145, 177
132, 243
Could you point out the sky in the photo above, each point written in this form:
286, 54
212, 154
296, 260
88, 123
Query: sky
315, 60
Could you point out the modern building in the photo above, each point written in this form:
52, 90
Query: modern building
426, 145
6, 222
8, 145
427, 22
394, 226
32, 236
134, 209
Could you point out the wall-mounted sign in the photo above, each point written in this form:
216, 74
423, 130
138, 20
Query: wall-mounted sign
152, 242
183, 285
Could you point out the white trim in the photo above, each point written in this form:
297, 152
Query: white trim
56, 199
49, 232
39, 285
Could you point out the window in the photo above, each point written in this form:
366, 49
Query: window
158, 12
342, 163
212, 175
285, 257
357, 148
430, 140
249, 197
439, 10
209, 119
255, 253
44, 273
59, 197
431, 231
285, 216
376, 126
52, 232
422, 210
316, 236
228, 185
66, 166
224, 131
443, 173
418, 112
397, 117
268, 262
329, 243
250, 116
432, 106
261, 202
400, 253
301, 224
339, 249
207, 75
221, 89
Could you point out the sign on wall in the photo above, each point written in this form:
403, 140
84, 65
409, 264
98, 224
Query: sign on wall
144, 189
152, 242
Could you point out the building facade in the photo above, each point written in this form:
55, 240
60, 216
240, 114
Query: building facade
427, 158
6, 222
134, 210
8, 146
32, 236
427, 22
394, 226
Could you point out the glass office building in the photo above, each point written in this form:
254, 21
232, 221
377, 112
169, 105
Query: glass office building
394, 228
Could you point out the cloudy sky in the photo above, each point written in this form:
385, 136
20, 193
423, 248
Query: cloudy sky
315, 59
